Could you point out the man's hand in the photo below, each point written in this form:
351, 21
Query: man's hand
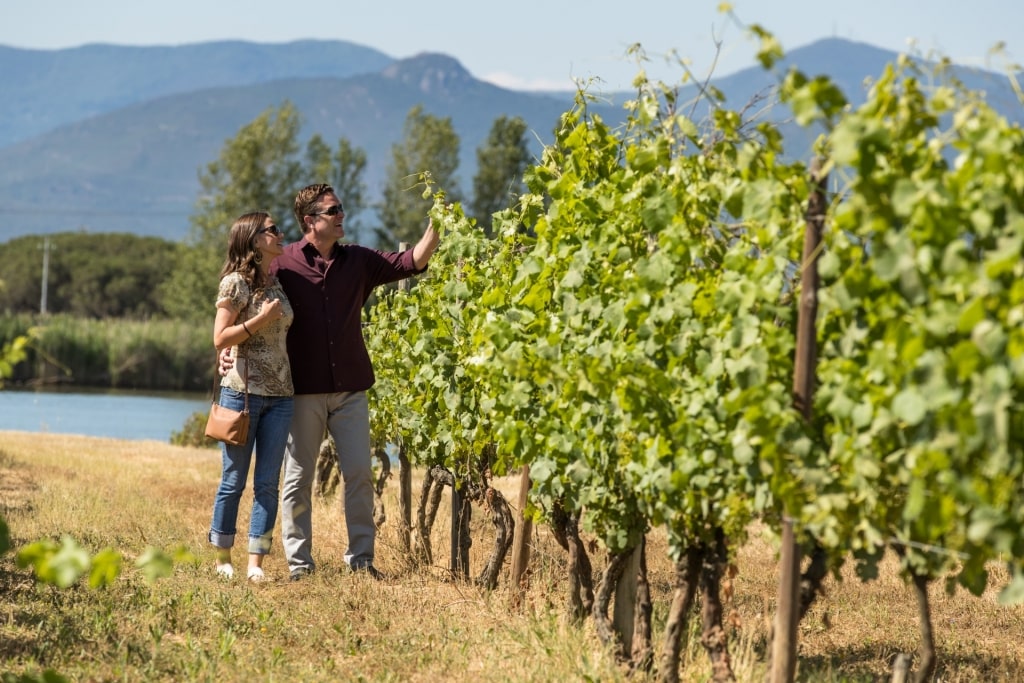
424, 249
225, 361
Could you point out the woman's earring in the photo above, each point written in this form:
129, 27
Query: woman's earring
259, 257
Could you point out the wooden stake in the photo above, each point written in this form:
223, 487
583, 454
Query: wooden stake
521, 538
787, 615
404, 472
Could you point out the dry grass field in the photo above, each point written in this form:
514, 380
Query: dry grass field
418, 626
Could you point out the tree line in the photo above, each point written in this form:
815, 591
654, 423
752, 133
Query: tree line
115, 275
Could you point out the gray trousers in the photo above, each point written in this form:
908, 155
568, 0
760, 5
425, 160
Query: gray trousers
347, 417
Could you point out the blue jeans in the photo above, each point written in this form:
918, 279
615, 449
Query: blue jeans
269, 420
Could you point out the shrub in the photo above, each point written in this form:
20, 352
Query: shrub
193, 433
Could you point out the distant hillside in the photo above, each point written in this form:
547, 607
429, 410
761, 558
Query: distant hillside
852, 66
43, 89
134, 168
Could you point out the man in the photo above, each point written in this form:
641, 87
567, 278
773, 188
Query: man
327, 284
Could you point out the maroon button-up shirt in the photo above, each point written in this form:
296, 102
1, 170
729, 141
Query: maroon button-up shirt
325, 341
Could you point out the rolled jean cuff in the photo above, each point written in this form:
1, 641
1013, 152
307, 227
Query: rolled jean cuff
222, 540
260, 545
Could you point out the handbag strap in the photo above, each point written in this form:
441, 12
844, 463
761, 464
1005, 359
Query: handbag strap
245, 383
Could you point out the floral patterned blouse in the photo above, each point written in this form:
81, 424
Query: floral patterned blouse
265, 352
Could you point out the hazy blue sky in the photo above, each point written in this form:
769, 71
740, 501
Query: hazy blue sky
533, 44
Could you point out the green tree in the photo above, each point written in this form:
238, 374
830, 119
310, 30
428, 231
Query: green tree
318, 157
11, 353
258, 169
86, 277
343, 170
350, 165
501, 161
429, 146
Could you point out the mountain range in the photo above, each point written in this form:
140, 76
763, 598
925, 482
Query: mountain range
108, 138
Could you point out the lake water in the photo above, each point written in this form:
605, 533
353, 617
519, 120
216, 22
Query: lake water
118, 415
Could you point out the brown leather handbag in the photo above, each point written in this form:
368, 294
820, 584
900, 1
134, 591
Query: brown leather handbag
225, 424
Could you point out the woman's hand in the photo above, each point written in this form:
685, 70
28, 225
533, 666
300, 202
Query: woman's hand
271, 310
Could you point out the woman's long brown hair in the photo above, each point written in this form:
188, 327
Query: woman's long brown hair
242, 252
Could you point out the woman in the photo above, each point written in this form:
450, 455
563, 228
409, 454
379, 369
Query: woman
253, 316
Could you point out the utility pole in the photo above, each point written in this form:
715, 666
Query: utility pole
46, 274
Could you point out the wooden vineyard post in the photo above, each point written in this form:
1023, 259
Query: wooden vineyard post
624, 604
404, 471
460, 543
787, 614
454, 550
404, 500
787, 611
521, 538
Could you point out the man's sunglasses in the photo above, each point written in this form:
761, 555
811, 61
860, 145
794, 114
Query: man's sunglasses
272, 229
330, 211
